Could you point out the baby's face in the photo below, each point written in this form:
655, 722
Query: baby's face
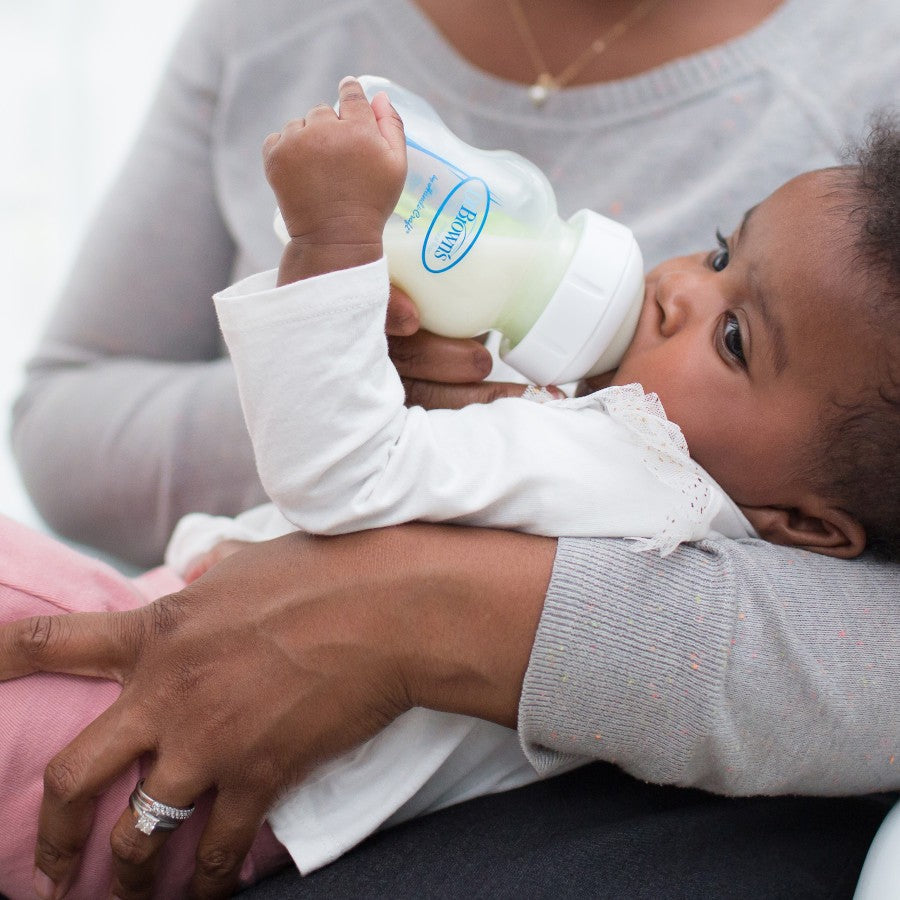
747, 344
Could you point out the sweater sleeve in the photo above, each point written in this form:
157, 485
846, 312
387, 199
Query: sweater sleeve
734, 666
129, 386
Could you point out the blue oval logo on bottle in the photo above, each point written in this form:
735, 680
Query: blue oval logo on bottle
456, 225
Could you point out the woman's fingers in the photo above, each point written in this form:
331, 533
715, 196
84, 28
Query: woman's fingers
285, 620
440, 372
435, 395
402, 314
136, 852
102, 645
444, 373
99, 645
233, 823
135, 858
429, 357
73, 779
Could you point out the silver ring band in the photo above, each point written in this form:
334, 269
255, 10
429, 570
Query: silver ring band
155, 816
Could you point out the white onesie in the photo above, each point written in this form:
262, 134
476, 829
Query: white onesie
338, 451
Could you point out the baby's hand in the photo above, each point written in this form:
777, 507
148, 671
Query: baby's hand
337, 176
205, 561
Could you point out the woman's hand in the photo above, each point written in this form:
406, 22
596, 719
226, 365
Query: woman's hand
340, 635
439, 372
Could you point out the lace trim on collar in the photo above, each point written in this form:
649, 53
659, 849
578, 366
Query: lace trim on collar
664, 452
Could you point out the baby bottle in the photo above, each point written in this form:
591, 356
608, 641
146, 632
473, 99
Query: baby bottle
476, 241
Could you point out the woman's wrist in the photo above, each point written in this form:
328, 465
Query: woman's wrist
437, 616
466, 614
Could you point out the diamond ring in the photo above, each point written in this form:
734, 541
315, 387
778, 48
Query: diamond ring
155, 816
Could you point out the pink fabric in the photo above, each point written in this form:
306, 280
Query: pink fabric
40, 714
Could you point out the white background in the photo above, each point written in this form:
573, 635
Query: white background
76, 78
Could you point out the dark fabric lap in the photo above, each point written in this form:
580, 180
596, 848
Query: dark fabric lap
597, 833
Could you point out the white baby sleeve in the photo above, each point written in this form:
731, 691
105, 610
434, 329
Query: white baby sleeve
423, 761
197, 533
338, 451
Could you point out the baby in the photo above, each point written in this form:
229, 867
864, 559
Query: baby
772, 353
756, 397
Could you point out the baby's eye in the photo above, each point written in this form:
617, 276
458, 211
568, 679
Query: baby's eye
718, 259
732, 340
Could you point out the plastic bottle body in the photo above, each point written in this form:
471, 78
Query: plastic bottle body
502, 284
475, 238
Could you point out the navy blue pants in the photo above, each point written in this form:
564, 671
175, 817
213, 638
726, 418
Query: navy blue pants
597, 833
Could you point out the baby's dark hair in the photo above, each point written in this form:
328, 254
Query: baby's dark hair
861, 439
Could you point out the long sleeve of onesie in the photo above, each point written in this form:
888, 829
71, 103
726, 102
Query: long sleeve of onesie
337, 450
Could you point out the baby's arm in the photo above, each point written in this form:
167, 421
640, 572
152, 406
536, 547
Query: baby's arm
337, 178
338, 451
336, 448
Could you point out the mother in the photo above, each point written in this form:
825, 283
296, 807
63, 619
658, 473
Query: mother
676, 671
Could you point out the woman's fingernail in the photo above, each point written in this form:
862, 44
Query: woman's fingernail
44, 887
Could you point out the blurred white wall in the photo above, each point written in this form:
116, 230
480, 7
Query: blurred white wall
75, 79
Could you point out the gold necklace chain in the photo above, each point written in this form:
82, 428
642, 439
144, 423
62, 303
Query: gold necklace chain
545, 83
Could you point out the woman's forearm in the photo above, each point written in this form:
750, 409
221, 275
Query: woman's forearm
478, 596
443, 617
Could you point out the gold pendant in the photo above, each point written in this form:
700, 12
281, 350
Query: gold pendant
542, 89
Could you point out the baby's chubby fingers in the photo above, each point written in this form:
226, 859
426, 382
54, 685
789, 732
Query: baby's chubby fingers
389, 122
321, 112
274, 142
270, 141
353, 104
352, 100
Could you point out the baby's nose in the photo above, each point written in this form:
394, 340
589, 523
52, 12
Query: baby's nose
674, 296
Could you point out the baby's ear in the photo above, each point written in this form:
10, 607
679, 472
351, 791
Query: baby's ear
817, 527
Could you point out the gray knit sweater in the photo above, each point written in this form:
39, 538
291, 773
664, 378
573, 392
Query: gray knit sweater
735, 666
752, 670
